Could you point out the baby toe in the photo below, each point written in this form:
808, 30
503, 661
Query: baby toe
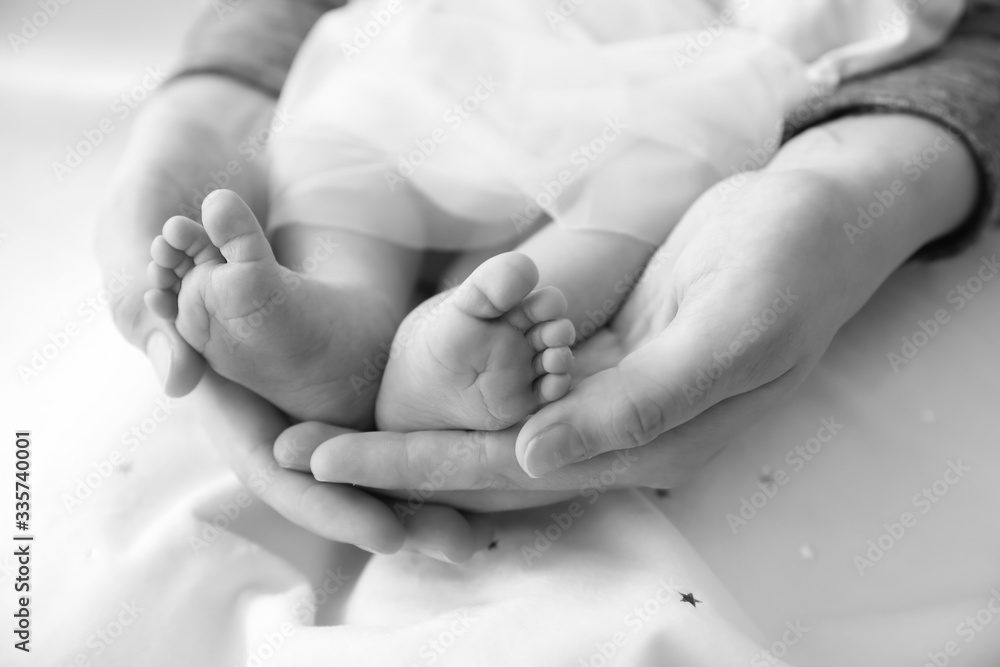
232, 228
190, 238
542, 305
160, 277
557, 333
162, 303
166, 255
550, 388
554, 360
498, 285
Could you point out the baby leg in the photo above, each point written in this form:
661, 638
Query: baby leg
595, 269
623, 211
456, 366
301, 341
488, 354
481, 356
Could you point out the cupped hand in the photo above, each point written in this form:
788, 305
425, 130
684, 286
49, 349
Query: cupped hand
194, 135
665, 374
731, 315
746, 295
244, 427
741, 302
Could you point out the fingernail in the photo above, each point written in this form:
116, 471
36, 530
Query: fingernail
437, 555
158, 351
555, 447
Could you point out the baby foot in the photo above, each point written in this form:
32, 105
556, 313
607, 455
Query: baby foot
482, 356
294, 341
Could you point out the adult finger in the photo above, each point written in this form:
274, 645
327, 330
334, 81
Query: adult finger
295, 446
244, 427
176, 364
444, 533
437, 531
705, 355
436, 463
672, 457
442, 460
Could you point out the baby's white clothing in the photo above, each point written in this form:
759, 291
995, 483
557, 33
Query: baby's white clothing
454, 124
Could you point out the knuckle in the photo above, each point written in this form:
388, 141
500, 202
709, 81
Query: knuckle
486, 477
408, 462
635, 420
288, 451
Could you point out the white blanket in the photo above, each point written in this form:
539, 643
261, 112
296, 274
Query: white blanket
823, 569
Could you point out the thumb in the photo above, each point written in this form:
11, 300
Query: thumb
177, 365
662, 384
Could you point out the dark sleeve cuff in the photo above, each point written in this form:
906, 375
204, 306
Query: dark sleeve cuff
252, 41
957, 86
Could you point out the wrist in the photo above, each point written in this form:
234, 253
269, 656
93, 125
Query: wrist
233, 75
874, 205
907, 179
188, 132
207, 100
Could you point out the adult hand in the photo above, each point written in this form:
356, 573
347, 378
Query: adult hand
747, 293
244, 427
178, 150
733, 312
190, 138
